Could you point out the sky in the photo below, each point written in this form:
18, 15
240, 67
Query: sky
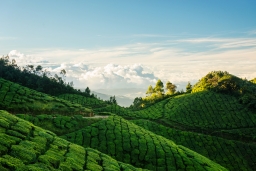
131, 44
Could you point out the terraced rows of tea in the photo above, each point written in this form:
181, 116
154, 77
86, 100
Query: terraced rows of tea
233, 155
155, 111
209, 110
97, 105
84, 101
132, 144
24, 147
59, 124
18, 99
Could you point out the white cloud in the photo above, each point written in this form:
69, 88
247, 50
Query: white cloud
23, 59
224, 42
141, 64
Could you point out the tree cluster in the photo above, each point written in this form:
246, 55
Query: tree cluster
112, 100
37, 78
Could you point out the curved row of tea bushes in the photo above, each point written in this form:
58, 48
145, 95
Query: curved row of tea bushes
84, 101
132, 144
59, 124
25, 147
209, 110
16, 99
233, 155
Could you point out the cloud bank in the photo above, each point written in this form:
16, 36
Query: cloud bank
141, 64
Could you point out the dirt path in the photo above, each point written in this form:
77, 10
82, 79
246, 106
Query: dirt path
97, 117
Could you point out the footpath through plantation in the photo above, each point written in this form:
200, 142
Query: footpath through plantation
211, 126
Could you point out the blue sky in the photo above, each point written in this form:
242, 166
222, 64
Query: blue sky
111, 44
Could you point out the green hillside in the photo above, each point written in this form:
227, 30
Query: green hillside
209, 110
132, 144
59, 124
98, 106
224, 82
211, 127
26, 147
233, 155
18, 99
84, 101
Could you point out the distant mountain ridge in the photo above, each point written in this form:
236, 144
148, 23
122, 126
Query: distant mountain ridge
121, 100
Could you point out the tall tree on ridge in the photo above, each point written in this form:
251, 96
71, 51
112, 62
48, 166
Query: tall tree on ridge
171, 88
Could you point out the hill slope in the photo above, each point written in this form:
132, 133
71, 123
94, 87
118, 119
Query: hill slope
233, 155
17, 99
24, 146
132, 144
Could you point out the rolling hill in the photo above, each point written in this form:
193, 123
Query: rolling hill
212, 128
19, 99
132, 144
26, 147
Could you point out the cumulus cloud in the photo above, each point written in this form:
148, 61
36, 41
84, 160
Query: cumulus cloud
23, 59
109, 76
141, 64
117, 76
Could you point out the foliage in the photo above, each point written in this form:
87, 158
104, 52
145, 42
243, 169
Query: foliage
253, 80
155, 95
208, 110
188, 88
36, 78
171, 88
42, 150
59, 124
16, 99
132, 144
220, 150
223, 82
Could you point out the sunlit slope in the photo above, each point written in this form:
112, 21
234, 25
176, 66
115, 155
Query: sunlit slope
233, 155
209, 110
155, 111
24, 146
18, 99
132, 144
226, 83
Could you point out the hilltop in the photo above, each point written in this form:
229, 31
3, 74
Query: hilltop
211, 126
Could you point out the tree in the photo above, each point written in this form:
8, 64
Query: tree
39, 69
150, 90
137, 102
159, 88
114, 100
188, 88
87, 91
63, 72
171, 88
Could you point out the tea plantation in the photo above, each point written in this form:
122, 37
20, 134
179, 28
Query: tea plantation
132, 144
18, 99
26, 147
233, 155
212, 128
209, 110
59, 124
